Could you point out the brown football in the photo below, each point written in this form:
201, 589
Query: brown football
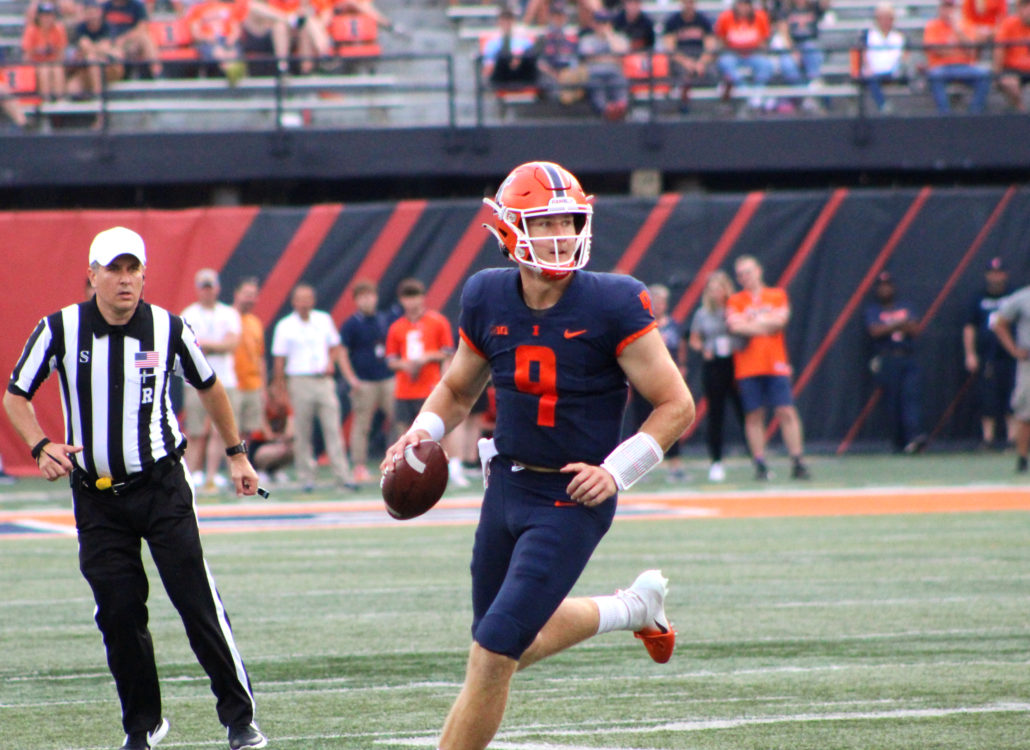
417, 481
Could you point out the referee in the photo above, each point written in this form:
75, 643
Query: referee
114, 356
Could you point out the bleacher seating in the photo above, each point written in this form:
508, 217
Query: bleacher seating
357, 38
355, 35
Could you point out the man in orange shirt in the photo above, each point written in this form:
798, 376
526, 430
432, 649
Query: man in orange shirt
951, 54
1012, 55
760, 314
249, 359
417, 345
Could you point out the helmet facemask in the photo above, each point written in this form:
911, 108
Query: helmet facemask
512, 232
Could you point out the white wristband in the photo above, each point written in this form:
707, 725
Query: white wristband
632, 459
431, 423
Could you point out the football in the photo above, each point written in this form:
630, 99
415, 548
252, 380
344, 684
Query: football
417, 481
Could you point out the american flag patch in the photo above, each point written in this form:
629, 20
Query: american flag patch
143, 360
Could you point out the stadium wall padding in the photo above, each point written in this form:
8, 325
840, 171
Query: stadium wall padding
824, 246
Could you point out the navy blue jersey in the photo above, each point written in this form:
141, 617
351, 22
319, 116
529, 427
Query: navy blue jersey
560, 391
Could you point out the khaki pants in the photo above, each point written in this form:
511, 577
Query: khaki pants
315, 396
369, 396
249, 412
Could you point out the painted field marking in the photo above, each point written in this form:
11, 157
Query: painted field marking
464, 510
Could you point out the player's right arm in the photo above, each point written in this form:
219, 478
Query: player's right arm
451, 401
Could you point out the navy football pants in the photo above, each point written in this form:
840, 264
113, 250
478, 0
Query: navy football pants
531, 546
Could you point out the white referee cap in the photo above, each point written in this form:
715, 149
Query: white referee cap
116, 241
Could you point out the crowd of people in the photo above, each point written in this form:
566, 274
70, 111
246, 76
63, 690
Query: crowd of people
567, 50
754, 42
77, 43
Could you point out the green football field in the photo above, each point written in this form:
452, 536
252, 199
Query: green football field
863, 631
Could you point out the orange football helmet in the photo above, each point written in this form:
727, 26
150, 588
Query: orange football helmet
541, 188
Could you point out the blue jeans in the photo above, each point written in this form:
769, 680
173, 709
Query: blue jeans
875, 85
730, 66
811, 63
970, 75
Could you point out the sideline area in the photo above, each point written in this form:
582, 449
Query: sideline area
677, 505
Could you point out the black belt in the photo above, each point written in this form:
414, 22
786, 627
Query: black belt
156, 472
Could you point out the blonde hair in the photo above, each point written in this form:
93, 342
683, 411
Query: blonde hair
720, 277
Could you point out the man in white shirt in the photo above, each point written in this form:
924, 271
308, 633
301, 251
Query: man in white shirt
217, 327
305, 348
885, 56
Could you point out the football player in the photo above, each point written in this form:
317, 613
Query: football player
559, 343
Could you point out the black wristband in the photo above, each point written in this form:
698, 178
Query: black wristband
37, 449
235, 450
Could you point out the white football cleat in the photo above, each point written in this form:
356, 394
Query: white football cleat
657, 635
716, 473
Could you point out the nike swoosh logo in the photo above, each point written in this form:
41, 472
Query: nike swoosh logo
573, 334
565, 503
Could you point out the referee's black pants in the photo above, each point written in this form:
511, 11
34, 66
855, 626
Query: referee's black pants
110, 530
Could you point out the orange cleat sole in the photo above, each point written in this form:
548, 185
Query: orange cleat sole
659, 645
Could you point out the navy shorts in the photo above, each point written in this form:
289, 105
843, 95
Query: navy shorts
769, 391
531, 545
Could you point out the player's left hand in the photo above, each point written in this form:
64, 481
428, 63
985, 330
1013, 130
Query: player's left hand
591, 484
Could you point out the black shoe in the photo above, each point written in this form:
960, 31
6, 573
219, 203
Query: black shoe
146, 740
800, 471
1021, 465
916, 445
762, 473
246, 736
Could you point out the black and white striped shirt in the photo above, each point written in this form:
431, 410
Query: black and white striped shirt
114, 382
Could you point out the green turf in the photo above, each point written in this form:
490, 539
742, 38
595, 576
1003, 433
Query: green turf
857, 632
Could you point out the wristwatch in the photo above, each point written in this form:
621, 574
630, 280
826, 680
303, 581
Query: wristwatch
235, 450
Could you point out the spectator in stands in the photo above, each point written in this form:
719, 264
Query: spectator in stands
559, 74
988, 359
639, 407
305, 352
44, 42
883, 54
601, 49
760, 314
1012, 55
1011, 324
893, 326
798, 25
130, 33
249, 358
418, 346
319, 26
743, 33
217, 327
94, 55
363, 336
508, 60
983, 17
266, 33
951, 54
690, 40
710, 337
11, 107
216, 27
271, 445
633, 23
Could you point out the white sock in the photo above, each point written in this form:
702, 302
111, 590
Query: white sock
619, 612
454, 465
